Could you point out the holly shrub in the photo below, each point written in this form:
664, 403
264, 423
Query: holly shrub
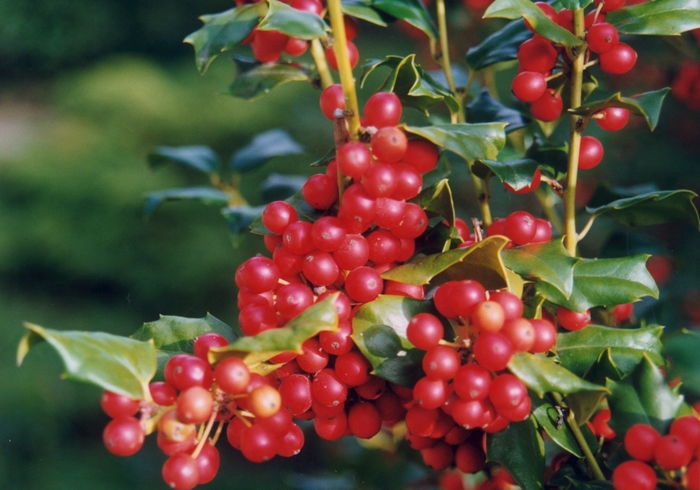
487, 344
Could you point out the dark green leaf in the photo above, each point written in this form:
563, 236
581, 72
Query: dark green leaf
601, 282
575, 4
578, 351
205, 195
305, 212
657, 18
469, 141
402, 370
547, 416
117, 364
500, 46
647, 105
682, 352
259, 79
542, 375
652, 208
222, 32
586, 403
239, 218
411, 11
514, 9
414, 86
643, 397
200, 158
382, 341
520, 449
481, 262
516, 173
436, 200
272, 143
292, 22
547, 262
362, 10
485, 109
277, 187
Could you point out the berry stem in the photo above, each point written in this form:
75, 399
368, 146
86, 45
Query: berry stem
547, 200
444, 57
586, 228
344, 69
321, 64
207, 431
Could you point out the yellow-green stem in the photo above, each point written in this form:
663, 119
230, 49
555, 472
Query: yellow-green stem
547, 200
340, 47
319, 57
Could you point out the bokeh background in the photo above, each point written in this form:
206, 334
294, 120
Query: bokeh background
89, 87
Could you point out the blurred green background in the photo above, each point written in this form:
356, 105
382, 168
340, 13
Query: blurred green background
87, 89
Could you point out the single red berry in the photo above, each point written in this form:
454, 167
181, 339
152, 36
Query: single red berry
353, 56
545, 335
528, 86
600, 425
613, 118
424, 331
609, 5
382, 109
206, 341
208, 462
573, 320
194, 405
591, 153
537, 54
296, 47
163, 394
268, 45
470, 458
548, 107
441, 362
548, 10
493, 351
117, 406
181, 472
320, 191
258, 444
389, 144
332, 99
422, 155
602, 37
123, 436
277, 215
672, 453
688, 429
520, 227
364, 420
640, 441
620, 59
634, 475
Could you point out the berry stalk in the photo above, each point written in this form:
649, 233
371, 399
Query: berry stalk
321, 64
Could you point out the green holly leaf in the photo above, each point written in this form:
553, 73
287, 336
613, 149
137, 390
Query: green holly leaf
647, 105
516, 173
223, 31
652, 208
410, 11
361, 10
602, 282
520, 449
240, 218
575, 4
117, 364
643, 397
682, 353
469, 141
545, 27
257, 350
436, 200
292, 22
277, 187
579, 351
547, 418
414, 86
305, 212
481, 262
270, 144
205, 195
542, 375
200, 158
485, 109
586, 403
500, 46
657, 17
549, 263
254, 79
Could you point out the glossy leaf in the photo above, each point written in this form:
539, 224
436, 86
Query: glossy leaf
411, 11
436, 200
362, 10
542, 375
514, 9
520, 449
516, 173
600, 282
481, 262
647, 105
272, 143
652, 208
414, 86
305, 212
240, 218
484, 109
382, 341
277, 187
657, 18
200, 158
205, 195
547, 418
500, 46
643, 397
682, 352
255, 79
579, 351
586, 403
575, 4
222, 32
292, 22
118, 364
547, 262
469, 141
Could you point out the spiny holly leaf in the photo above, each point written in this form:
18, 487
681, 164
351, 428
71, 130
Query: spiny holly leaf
652, 208
118, 364
258, 349
469, 141
516, 173
547, 262
542, 375
200, 158
481, 262
436, 200
305, 212
205, 195
292, 22
520, 449
500, 46
485, 108
548, 419
277, 187
411, 11
361, 10
601, 282
255, 79
514, 9
647, 105
682, 352
578, 351
657, 18
414, 86
586, 403
379, 331
222, 32
272, 143
239, 218
643, 397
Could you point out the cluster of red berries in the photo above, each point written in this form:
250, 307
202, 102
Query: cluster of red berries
521, 228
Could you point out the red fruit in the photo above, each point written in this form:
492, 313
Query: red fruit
424, 331
413, 224
181, 472
256, 318
472, 382
421, 421
634, 475
296, 47
295, 391
268, 45
382, 109
351, 27
277, 215
602, 37
363, 284
408, 182
548, 11
163, 394
194, 405
591, 153
488, 316
688, 429
600, 425
117, 406
493, 351
320, 268
314, 357
545, 335
327, 388
293, 299
421, 155
208, 463
389, 144
320, 191
520, 227
184, 371
332, 99
672, 453
204, 342
438, 457
123, 436
353, 253
291, 443
537, 54
521, 334
353, 56
259, 274
313, 6
506, 392
357, 209
441, 362
264, 401
548, 107
640, 441
623, 312
337, 343
465, 295
528, 86
543, 233
364, 420
430, 393
573, 320
331, 429
232, 376
297, 238
353, 159
352, 368
379, 180
258, 444
609, 5
469, 458
620, 59
613, 118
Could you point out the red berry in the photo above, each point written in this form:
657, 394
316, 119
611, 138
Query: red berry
620, 59
258, 444
545, 335
572, 320
472, 382
493, 351
332, 98
537, 54
353, 159
600, 425
609, 5
123, 436
204, 342
382, 109
614, 118
181, 472
320, 191
424, 331
117, 406
208, 463
591, 153
268, 45
277, 215
363, 284
672, 453
640, 441
441, 362
163, 394
389, 144
194, 405
520, 227
528, 86
634, 475
353, 55
364, 420
602, 37
547, 108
